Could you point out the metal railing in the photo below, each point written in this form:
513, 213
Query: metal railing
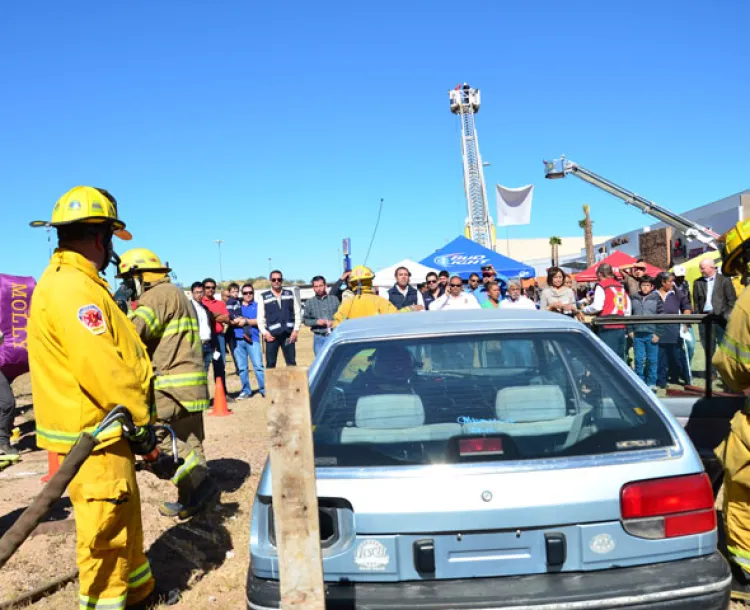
706, 320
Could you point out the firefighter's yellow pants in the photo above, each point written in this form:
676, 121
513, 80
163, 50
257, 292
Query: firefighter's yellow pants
113, 570
734, 455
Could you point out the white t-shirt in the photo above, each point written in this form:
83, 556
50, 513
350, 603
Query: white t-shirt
204, 330
465, 300
522, 302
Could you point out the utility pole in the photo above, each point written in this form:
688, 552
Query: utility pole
269, 267
218, 242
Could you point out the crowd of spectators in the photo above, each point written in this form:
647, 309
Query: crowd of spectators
661, 353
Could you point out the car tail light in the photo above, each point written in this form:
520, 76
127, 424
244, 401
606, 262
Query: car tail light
482, 445
667, 508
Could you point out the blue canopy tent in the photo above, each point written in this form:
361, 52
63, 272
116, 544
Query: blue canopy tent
463, 257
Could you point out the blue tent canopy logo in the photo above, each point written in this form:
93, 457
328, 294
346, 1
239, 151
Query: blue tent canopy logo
461, 258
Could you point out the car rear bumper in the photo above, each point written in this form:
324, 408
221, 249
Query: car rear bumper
702, 583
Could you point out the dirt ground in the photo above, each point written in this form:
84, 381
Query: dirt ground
205, 559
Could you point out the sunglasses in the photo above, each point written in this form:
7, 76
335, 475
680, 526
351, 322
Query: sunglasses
209, 287
455, 285
432, 281
276, 279
247, 292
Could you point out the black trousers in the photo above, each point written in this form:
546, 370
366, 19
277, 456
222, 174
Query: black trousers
7, 409
289, 351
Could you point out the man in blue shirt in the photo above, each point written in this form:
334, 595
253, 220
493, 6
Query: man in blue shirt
247, 339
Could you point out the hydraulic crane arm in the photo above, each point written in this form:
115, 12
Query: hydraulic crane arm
559, 168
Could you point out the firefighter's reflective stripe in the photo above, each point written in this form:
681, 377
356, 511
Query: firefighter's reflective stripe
196, 405
139, 576
734, 349
191, 461
181, 325
101, 603
180, 380
149, 318
740, 557
69, 438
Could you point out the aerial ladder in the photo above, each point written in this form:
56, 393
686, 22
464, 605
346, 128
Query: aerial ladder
559, 168
480, 227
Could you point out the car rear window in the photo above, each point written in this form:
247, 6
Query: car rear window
477, 398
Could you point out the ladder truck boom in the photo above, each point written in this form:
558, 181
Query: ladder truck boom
480, 227
559, 168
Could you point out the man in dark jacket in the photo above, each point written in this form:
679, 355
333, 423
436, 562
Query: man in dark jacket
713, 294
402, 295
646, 336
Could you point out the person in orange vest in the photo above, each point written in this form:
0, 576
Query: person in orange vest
610, 299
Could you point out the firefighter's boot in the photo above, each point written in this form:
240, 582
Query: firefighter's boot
8, 453
205, 495
740, 584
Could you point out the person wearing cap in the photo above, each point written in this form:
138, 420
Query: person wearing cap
632, 274
85, 359
680, 283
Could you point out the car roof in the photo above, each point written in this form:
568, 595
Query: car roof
450, 322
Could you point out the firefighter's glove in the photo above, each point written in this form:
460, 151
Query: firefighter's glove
164, 466
143, 440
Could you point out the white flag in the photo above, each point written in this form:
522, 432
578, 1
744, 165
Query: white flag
514, 205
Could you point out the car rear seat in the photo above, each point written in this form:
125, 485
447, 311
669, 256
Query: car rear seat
526, 411
393, 418
521, 404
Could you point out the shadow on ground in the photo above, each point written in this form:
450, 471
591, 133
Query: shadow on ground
188, 551
61, 511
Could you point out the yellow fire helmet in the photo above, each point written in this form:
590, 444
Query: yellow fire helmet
361, 274
140, 259
732, 245
86, 204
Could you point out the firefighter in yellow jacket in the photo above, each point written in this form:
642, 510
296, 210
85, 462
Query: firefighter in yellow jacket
167, 324
364, 302
732, 360
86, 358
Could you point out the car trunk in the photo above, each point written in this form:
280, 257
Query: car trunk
511, 521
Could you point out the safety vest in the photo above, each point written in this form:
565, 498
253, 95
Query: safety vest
615, 300
84, 355
399, 300
279, 320
168, 325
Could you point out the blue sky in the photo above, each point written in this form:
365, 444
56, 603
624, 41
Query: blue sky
278, 126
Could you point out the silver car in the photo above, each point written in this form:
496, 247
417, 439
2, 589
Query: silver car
495, 459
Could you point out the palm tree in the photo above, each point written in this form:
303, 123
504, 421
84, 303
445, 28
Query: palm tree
588, 235
554, 242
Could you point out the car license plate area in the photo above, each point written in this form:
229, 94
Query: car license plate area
489, 554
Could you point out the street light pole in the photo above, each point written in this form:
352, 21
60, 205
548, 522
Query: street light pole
218, 242
269, 266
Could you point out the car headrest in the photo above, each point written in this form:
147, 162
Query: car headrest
530, 403
389, 411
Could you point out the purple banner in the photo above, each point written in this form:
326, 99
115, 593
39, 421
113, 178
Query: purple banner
15, 304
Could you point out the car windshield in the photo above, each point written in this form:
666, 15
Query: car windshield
486, 397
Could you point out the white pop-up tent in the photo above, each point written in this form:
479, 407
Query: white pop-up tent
387, 277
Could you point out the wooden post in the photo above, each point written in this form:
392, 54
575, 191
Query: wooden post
295, 499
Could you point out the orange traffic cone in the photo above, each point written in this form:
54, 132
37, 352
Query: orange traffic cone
53, 465
220, 400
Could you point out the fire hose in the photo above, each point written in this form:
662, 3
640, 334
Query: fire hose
143, 442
